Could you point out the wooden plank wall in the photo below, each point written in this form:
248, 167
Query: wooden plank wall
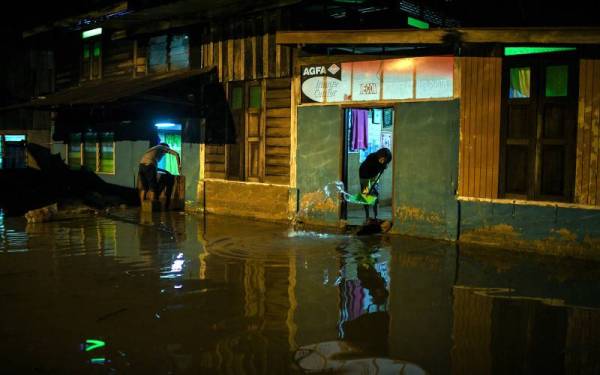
587, 172
243, 53
479, 126
43, 65
67, 57
245, 50
214, 162
277, 135
117, 62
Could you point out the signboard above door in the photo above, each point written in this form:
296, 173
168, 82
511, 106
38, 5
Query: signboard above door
393, 79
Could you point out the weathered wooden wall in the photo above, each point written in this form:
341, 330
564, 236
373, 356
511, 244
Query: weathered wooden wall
118, 59
245, 49
587, 186
214, 161
277, 135
67, 61
480, 126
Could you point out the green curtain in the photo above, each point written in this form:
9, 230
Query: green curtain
557, 79
174, 141
520, 83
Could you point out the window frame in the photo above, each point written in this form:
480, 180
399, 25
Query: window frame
87, 71
253, 138
537, 104
167, 51
98, 159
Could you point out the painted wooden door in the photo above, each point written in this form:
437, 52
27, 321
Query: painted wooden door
538, 132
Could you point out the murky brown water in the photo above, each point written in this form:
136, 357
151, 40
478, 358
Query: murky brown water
172, 294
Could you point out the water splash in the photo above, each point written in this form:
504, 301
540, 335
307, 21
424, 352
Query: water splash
325, 199
306, 233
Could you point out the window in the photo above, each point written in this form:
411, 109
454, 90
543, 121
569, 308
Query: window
538, 128
74, 151
92, 150
255, 97
168, 53
557, 80
13, 152
91, 61
106, 153
520, 80
90, 144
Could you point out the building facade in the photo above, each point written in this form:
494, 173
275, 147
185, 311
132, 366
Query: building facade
495, 144
493, 131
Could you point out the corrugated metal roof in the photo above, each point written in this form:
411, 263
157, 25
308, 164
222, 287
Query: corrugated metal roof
102, 91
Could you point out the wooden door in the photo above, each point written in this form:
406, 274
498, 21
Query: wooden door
254, 133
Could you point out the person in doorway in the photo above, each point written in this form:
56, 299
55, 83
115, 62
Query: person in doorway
148, 168
369, 171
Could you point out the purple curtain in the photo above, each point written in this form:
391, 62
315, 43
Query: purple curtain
360, 130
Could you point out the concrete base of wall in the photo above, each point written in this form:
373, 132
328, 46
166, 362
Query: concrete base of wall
246, 199
540, 228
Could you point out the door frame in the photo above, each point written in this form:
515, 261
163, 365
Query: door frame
345, 140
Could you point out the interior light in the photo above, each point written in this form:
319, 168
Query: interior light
417, 23
168, 126
14, 138
90, 33
524, 50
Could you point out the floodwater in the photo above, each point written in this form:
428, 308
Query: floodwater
173, 294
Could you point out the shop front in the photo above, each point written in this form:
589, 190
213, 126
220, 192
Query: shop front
348, 110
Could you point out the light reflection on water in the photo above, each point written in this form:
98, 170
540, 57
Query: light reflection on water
173, 294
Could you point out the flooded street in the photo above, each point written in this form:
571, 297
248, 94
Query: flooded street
173, 294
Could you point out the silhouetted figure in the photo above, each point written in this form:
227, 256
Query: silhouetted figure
148, 168
369, 172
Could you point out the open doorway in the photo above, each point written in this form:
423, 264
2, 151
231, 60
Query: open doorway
366, 130
13, 151
170, 134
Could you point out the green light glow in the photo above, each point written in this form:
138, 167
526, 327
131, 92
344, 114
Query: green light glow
557, 80
91, 33
97, 49
93, 344
99, 360
417, 23
513, 51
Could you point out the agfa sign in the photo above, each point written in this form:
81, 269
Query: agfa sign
332, 70
313, 80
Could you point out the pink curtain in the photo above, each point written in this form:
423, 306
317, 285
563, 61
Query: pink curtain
360, 130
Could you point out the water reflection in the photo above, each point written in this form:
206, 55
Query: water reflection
363, 285
169, 293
